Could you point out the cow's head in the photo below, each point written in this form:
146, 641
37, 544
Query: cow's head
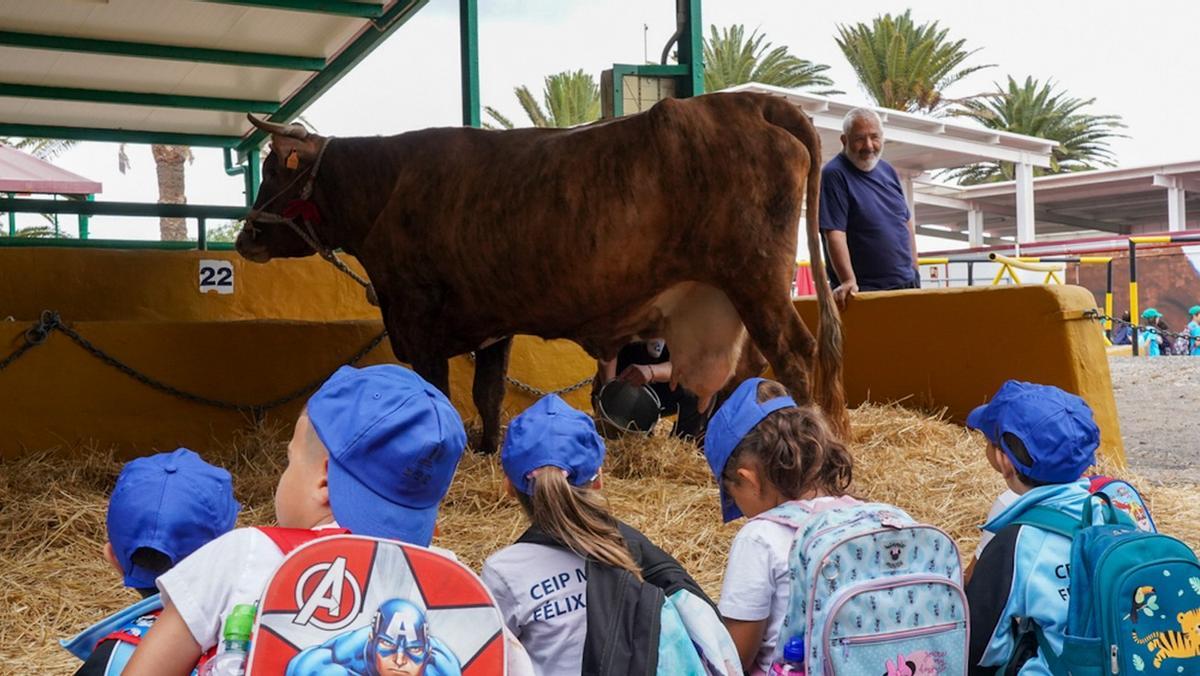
287, 169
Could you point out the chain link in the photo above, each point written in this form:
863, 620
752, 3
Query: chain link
538, 393
51, 322
1101, 317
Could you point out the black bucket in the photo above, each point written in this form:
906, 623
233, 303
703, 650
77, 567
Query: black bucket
623, 408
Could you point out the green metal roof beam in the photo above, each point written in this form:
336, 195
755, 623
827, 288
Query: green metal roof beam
118, 135
175, 245
153, 51
23, 91
148, 210
360, 10
356, 51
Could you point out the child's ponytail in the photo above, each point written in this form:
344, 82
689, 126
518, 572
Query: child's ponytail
577, 518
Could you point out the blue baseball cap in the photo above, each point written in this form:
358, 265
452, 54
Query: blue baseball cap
174, 503
729, 425
394, 442
551, 434
1057, 428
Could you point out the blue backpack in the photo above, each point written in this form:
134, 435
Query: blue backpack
873, 592
1135, 597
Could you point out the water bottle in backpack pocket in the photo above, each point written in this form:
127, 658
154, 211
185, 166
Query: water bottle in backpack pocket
874, 593
1135, 598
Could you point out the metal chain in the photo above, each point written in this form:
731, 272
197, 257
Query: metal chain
1101, 317
537, 392
50, 322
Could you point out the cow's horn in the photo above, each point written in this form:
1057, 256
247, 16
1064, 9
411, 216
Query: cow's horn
293, 130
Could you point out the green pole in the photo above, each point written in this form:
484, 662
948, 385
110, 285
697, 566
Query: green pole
253, 176
691, 49
84, 219
468, 43
55, 215
12, 219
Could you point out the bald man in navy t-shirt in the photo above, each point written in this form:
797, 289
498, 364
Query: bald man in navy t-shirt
870, 241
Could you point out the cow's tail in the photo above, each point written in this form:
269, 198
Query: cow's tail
827, 385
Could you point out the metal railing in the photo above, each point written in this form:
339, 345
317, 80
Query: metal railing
1133, 286
201, 212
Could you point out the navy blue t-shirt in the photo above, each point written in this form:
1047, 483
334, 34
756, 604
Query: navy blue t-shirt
870, 208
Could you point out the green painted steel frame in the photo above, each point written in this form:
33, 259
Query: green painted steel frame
688, 73
152, 51
179, 245
468, 46
620, 70
359, 10
356, 51
25, 91
201, 212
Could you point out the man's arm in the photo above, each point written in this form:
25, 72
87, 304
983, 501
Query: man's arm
839, 255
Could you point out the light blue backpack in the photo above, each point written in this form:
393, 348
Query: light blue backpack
873, 592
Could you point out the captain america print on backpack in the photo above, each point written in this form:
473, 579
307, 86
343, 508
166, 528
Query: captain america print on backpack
873, 592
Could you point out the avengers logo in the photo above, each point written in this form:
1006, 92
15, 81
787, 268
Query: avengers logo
328, 596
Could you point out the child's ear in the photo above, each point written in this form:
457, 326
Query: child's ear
509, 489
598, 482
111, 557
1003, 464
750, 477
323, 483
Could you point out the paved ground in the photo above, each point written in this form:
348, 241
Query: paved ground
1158, 402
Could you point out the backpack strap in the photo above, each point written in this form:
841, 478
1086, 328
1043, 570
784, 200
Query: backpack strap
1050, 520
1053, 660
287, 539
795, 513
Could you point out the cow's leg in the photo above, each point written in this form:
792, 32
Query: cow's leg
781, 336
491, 365
435, 370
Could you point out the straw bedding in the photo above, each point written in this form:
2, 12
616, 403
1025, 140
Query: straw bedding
54, 582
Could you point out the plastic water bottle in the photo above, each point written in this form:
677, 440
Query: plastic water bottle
793, 658
231, 661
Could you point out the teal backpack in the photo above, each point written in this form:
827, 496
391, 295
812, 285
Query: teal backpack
1135, 597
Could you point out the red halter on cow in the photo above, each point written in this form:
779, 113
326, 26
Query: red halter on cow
470, 236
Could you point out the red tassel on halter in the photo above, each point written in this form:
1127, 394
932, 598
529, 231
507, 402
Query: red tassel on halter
304, 209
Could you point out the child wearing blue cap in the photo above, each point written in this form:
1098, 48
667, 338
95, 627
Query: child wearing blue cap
373, 453
1041, 440
764, 450
163, 508
577, 566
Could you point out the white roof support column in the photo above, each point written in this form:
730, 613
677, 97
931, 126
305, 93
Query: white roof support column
1025, 218
1176, 209
906, 184
975, 227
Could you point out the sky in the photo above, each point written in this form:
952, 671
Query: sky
1139, 61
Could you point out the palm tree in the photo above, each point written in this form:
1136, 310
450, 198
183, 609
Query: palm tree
905, 66
730, 58
1036, 109
570, 98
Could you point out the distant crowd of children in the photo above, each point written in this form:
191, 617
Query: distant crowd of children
1155, 338
817, 581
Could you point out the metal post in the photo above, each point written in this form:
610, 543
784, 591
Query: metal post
468, 44
84, 220
253, 176
1025, 214
201, 234
1108, 303
54, 216
970, 273
12, 219
691, 48
1133, 299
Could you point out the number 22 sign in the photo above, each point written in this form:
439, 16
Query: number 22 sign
216, 275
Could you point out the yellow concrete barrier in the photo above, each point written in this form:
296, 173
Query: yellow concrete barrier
952, 348
291, 322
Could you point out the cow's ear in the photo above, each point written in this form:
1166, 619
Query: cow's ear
294, 153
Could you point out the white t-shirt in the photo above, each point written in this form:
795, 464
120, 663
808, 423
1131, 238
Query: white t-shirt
1003, 502
756, 584
232, 569
542, 594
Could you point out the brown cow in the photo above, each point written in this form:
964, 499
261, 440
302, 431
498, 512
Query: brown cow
679, 222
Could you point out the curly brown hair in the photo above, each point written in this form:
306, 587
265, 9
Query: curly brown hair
794, 449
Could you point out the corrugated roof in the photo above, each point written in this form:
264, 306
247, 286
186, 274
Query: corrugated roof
21, 172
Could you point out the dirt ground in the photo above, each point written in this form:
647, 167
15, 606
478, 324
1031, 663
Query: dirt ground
1158, 402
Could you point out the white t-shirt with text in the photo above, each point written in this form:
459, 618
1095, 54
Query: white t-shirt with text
542, 594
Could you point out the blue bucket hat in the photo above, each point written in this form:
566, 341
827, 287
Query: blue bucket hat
729, 425
551, 434
394, 442
174, 503
1057, 428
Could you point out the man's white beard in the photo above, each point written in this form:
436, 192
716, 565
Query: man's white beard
865, 166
